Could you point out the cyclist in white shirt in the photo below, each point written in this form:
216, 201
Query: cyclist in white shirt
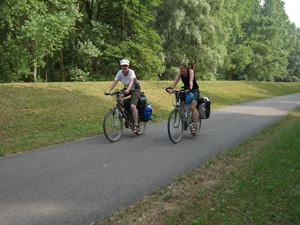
131, 87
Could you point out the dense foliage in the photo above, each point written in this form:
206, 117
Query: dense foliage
80, 40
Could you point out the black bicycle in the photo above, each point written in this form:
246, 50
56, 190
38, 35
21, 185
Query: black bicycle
113, 120
181, 117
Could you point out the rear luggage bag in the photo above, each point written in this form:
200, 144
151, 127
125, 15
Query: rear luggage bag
142, 100
204, 107
145, 113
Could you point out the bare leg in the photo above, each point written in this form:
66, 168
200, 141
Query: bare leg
121, 101
194, 112
134, 113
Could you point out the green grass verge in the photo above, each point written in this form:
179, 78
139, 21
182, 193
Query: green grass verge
37, 115
256, 182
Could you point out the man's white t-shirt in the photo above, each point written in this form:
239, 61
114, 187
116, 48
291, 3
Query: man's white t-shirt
126, 79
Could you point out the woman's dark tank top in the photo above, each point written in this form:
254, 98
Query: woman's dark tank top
186, 80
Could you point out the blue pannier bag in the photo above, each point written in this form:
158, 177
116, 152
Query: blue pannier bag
148, 112
145, 113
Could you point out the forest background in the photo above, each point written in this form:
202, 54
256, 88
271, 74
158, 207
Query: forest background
84, 40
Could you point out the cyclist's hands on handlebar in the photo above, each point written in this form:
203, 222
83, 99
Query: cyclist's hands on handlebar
183, 89
169, 90
116, 92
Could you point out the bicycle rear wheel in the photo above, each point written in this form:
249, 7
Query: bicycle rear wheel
175, 126
113, 126
142, 128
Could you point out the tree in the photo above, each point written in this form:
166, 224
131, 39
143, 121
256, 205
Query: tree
268, 38
260, 50
38, 29
294, 58
195, 31
238, 55
118, 29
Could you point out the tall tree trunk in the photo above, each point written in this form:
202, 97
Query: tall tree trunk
35, 66
77, 58
52, 73
34, 72
2, 35
61, 62
95, 65
45, 69
45, 72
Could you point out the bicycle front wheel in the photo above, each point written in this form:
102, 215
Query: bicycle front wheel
175, 126
113, 126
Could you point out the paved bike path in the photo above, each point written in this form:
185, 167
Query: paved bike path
83, 181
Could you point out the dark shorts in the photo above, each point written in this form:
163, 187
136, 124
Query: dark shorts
196, 93
135, 95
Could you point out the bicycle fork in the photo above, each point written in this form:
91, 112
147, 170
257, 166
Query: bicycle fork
114, 122
177, 120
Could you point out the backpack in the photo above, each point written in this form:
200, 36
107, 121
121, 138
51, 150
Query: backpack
145, 113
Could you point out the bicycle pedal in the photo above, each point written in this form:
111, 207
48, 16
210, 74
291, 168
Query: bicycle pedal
126, 124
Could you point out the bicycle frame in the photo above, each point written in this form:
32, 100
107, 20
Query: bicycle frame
118, 109
184, 112
180, 118
113, 121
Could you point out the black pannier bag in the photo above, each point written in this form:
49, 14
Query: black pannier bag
203, 107
141, 103
142, 100
145, 109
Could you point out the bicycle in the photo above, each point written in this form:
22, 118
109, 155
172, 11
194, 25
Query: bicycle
181, 117
113, 120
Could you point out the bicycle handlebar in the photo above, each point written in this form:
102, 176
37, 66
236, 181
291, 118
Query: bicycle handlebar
117, 92
182, 90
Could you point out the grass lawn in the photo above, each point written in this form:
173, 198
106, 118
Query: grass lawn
36, 115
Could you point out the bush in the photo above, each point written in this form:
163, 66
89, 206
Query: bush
77, 74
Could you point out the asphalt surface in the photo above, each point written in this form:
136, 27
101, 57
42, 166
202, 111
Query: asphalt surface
82, 182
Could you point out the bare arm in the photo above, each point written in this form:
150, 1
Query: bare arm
111, 86
191, 79
175, 82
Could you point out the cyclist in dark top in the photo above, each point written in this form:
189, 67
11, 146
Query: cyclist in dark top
189, 80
